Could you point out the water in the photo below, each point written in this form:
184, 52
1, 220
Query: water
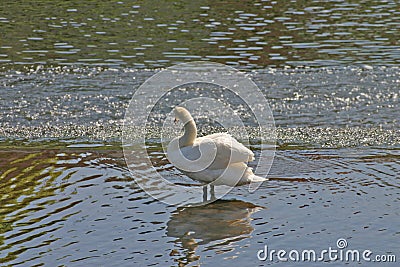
250, 34
81, 207
328, 69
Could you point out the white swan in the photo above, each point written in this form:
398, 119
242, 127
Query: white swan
217, 159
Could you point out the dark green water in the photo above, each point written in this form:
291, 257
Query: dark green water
250, 34
329, 69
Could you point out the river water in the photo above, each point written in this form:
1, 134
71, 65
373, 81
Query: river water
329, 69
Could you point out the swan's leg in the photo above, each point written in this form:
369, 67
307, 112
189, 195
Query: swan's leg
205, 193
212, 192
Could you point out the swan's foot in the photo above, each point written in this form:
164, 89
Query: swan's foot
205, 193
212, 193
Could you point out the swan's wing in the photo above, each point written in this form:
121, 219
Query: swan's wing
229, 150
227, 145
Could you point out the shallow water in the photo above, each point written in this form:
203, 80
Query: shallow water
69, 206
329, 69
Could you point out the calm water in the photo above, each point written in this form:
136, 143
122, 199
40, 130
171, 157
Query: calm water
329, 69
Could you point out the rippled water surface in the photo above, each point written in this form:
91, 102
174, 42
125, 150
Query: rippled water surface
246, 33
68, 199
75, 207
329, 69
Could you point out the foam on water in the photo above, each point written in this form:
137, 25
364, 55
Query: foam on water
286, 138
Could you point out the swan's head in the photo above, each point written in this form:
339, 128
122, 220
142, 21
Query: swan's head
182, 114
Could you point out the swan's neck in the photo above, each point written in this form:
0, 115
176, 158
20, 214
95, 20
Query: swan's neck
187, 139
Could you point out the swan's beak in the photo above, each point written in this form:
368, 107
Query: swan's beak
176, 120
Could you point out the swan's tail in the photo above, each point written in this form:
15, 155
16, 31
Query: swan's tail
257, 179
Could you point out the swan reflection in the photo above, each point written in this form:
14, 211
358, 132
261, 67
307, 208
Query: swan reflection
216, 226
